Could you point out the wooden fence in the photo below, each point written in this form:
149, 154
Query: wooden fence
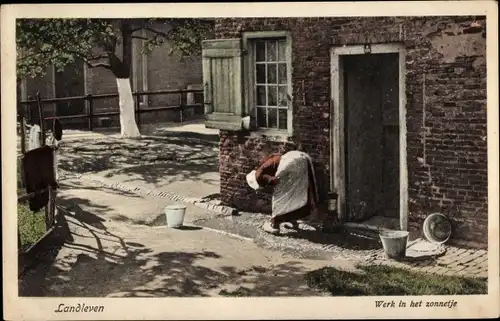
90, 113
28, 256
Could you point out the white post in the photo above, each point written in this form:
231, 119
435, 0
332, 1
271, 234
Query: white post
128, 125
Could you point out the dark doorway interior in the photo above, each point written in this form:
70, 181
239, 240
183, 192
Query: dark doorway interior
371, 98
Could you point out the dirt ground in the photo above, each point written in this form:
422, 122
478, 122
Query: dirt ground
108, 254
113, 248
112, 197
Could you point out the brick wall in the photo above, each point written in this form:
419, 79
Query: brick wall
165, 71
44, 85
102, 81
446, 110
171, 72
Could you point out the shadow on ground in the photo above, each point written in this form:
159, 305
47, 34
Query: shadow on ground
105, 204
195, 170
80, 185
111, 153
95, 261
165, 129
343, 239
250, 225
171, 163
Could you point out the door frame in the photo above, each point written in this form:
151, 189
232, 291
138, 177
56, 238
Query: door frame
337, 126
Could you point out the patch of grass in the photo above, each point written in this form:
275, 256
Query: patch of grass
378, 280
31, 225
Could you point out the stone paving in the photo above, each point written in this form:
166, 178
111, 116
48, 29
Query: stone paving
455, 261
311, 244
107, 253
116, 155
360, 248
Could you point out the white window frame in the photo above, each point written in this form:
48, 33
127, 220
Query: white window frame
249, 39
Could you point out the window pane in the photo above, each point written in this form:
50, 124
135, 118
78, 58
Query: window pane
261, 73
271, 73
261, 95
261, 117
282, 74
271, 51
282, 50
272, 99
272, 113
283, 119
260, 48
282, 96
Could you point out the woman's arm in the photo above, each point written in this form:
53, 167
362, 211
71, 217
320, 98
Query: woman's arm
265, 172
268, 179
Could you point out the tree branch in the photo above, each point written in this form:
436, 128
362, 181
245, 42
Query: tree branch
157, 32
97, 58
135, 29
100, 64
79, 55
139, 37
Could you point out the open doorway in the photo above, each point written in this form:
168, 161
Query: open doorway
371, 134
368, 145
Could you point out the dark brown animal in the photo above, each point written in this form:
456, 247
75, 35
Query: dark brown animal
38, 165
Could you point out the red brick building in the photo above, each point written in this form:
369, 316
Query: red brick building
156, 71
392, 109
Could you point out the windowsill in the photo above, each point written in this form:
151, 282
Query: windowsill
272, 135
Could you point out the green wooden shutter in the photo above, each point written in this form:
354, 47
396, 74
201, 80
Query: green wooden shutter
222, 79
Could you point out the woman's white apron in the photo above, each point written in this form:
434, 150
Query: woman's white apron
290, 193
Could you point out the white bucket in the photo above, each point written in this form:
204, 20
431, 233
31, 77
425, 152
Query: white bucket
394, 243
175, 215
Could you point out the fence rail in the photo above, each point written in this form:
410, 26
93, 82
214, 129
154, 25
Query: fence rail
90, 99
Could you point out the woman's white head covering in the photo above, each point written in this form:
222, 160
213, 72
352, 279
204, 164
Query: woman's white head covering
252, 180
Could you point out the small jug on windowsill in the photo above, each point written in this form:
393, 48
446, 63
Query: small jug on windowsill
245, 122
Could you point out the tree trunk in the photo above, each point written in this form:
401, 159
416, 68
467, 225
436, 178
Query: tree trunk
121, 70
128, 124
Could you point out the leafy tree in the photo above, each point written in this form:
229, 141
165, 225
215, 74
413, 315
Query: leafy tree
103, 43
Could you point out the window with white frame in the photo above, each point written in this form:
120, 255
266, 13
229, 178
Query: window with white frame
249, 76
270, 83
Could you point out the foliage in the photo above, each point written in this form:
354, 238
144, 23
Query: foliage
42, 42
31, 225
380, 280
185, 35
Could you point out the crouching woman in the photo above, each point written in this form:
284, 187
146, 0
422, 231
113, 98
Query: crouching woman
295, 194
